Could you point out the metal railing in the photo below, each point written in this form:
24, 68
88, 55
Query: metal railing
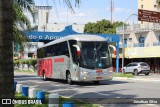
138, 28
156, 26
141, 44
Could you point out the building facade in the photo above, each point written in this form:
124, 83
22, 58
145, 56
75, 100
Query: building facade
142, 41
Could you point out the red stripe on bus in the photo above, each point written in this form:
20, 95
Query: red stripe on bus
99, 71
59, 60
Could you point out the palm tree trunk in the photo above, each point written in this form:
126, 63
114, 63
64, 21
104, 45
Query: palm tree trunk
6, 50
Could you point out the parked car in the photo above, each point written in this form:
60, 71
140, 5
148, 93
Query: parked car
137, 68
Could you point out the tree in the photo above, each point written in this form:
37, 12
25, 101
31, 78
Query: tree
102, 27
21, 21
8, 34
33, 62
6, 50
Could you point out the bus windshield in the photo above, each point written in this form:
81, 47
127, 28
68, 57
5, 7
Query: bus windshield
94, 55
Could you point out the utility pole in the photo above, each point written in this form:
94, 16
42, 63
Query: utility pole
111, 9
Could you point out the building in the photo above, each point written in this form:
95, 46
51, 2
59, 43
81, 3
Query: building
142, 41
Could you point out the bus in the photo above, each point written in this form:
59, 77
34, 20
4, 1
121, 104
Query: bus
80, 57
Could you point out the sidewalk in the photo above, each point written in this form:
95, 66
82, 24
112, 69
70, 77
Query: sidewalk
141, 77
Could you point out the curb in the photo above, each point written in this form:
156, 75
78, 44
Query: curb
143, 79
120, 78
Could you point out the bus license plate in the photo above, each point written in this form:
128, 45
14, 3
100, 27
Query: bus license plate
98, 78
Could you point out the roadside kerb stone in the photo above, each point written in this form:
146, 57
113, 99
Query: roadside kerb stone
120, 78
137, 79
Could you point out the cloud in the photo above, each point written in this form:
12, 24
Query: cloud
118, 9
81, 14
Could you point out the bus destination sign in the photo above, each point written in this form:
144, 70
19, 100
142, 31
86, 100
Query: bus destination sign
148, 16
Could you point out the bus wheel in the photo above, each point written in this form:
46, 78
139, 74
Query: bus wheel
96, 82
44, 76
69, 80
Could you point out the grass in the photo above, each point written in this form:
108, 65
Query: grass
123, 75
61, 100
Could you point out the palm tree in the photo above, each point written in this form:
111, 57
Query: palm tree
21, 21
6, 58
69, 4
12, 14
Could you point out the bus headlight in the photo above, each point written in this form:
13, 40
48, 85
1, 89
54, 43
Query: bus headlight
85, 72
110, 70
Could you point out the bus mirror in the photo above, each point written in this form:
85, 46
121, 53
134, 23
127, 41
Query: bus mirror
114, 49
78, 49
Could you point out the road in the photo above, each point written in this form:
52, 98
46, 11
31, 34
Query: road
117, 88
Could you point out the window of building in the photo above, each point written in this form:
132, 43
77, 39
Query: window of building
130, 39
125, 41
30, 54
141, 6
141, 41
155, 6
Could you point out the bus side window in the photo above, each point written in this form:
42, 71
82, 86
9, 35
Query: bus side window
74, 55
73, 50
65, 50
41, 53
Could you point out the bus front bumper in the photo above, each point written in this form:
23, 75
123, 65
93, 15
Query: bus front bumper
96, 77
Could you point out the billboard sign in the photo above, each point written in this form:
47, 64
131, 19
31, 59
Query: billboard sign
148, 16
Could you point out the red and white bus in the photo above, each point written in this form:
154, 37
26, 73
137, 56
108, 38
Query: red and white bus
79, 57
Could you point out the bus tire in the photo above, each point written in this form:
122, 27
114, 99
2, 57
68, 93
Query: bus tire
44, 76
69, 79
147, 73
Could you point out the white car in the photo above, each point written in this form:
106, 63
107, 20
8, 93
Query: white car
137, 68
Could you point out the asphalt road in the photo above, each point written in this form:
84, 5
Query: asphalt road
117, 88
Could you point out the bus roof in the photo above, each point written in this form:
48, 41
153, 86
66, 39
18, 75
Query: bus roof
78, 37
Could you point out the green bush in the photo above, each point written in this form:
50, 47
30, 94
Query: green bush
23, 62
28, 63
33, 62
16, 63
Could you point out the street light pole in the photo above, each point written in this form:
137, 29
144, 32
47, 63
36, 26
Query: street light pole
123, 41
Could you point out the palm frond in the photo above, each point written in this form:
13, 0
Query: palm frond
21, 22
70, 6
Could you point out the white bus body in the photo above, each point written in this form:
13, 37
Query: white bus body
79, 57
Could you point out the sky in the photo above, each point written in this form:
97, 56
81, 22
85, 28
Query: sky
90, 11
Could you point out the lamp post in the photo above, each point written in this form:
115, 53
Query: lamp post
123, 41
